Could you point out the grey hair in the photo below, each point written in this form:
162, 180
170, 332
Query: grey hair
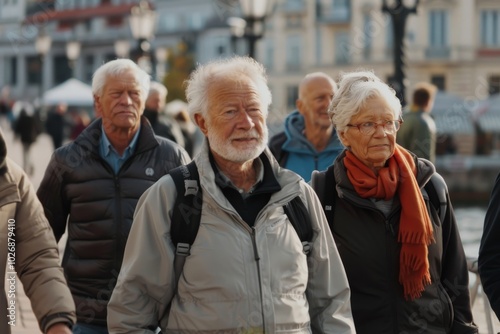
355, 88
117, 67
156, 87
204, 75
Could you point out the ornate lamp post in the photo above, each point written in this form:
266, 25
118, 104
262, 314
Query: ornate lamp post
399, 10
42, 45
142, 24
252, 25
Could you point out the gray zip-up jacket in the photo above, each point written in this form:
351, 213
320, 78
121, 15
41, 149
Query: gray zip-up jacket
224, 286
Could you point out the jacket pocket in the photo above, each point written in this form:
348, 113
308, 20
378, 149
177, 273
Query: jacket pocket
447, 305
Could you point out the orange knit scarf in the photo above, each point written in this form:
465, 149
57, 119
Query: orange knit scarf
415, 229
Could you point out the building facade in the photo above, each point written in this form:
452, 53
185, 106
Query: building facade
453, 43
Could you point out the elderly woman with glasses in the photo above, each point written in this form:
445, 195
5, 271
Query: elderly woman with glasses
403, 255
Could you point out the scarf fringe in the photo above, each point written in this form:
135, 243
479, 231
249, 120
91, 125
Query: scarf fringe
413, 288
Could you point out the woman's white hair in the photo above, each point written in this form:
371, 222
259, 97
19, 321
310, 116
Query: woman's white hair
117, 67
355, 88
205, 75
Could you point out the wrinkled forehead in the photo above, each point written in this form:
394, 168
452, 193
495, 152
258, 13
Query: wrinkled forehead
125, 80
226, 86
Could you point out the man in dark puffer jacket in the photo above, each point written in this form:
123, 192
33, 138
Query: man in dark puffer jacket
97, 180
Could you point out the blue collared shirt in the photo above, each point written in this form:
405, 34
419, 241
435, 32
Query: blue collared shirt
111, 156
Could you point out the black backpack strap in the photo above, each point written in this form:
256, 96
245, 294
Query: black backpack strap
186, 214
301, 221
319, 182
436, 190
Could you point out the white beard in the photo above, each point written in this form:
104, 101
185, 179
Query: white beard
240, 154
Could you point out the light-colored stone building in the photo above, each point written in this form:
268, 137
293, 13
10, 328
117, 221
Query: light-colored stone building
452, 43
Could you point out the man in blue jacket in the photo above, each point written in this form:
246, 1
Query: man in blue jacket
309, 141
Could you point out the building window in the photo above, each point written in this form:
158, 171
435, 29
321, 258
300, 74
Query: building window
292, 94
10, 70
196, 21
490, 28
494, 84
89, 68
439, 81
62, 70
438, 28
367, 32
342, 47
269, 56
33, 70
293, 52
319, 46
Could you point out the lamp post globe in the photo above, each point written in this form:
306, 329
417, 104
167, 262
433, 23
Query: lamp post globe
254, 14
142, 22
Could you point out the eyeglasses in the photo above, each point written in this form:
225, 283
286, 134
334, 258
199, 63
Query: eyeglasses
369, 128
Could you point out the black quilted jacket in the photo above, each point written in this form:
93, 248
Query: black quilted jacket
100, 205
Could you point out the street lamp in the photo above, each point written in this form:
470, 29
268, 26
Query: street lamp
122, 48
399, 11
42, 46
142, 24
251, 26
73, 52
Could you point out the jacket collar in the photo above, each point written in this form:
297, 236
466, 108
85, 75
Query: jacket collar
93, 133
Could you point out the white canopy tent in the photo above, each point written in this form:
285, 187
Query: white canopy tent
73, 92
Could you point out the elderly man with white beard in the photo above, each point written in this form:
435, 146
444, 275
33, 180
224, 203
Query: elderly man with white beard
246, 271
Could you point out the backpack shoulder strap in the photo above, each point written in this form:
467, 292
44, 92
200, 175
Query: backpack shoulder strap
319, 181
186, 214
436, 190
301, 221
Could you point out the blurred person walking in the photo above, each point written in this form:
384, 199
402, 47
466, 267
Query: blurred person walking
27, 129
418, 132
309, 141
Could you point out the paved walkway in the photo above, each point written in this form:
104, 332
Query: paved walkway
42, 151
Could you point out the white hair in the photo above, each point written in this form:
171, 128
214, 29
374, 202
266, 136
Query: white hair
205, 75
117, 67
156, 87
355, 88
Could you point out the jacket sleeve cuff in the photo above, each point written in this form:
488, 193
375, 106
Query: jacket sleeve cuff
53, 319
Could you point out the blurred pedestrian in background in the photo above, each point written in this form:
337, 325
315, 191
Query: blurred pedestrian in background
27, 129
155, 113
418, 132
309, 141
55, 125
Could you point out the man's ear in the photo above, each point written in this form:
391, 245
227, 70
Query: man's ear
201, 122
97, 106
299, 104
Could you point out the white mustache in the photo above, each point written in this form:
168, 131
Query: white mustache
252, 134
